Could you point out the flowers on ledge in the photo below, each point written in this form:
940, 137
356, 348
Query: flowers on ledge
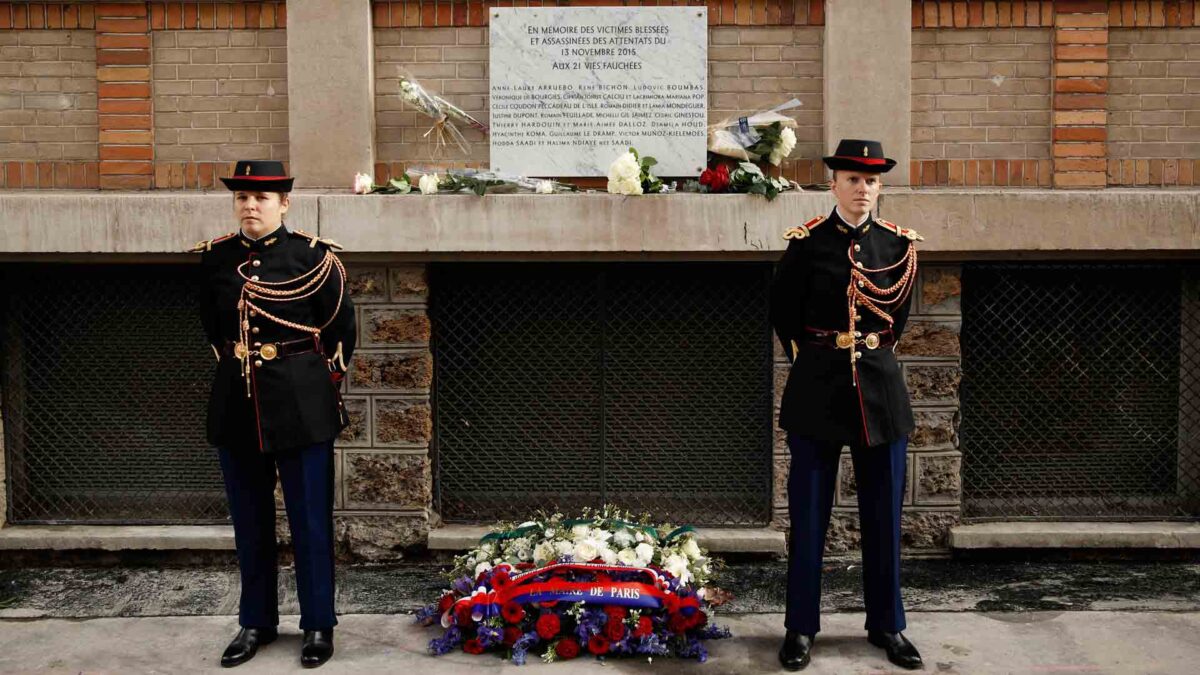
602, 584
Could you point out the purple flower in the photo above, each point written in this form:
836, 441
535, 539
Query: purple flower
490, 636
451, 639
714, 632
464, 585
522, 646
426, 614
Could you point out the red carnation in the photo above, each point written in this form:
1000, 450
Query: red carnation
445, 603
567, 649
645, 627
473, 646
716, 180
598, 645
512, 612
462, 614
699, 620
678, 623
614, 630
547, 626
511, 635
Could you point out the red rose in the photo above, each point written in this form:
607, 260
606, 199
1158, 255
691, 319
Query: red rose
614, 630
645, 627
716, 180
547, 626
699, 620
598, 645
445, 603
616, 613
501, 580
567, 649
473, 646
512, 612
678, 623
511, 635
462, 614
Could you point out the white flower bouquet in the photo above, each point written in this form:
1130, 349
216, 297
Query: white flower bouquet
768, 135
445, 115
631, 174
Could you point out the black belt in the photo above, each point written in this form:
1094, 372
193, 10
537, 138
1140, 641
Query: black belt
834, 339
271, 350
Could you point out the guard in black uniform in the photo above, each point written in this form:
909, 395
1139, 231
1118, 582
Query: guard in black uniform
278, 316
839, 303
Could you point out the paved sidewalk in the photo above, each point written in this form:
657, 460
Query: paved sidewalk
951, 642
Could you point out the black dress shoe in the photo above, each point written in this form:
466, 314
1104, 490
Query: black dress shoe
318, 647
899, 650
245, 644
794, 654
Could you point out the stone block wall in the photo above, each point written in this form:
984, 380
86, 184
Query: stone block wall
931, 362
219, 96
48, 117
386, 473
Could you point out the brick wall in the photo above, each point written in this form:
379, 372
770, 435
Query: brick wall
219, 96
47, 107
931, 360
1154, 94
750, 68
981, 94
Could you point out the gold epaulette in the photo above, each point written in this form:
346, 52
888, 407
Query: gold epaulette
895, 229
313, 239
802, 231
202, 246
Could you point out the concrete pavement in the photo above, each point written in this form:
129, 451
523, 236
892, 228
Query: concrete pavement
951, 642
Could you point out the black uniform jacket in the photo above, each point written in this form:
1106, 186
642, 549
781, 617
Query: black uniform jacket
291, 400
822, 399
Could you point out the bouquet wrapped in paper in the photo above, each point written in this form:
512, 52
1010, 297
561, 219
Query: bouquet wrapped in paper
445, 115
767, 135
481, 182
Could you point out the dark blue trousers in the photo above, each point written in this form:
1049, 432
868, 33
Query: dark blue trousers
879, 474
307, 478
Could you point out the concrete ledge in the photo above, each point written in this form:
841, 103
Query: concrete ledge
1162, 535
954, 222
117, 538
717, 540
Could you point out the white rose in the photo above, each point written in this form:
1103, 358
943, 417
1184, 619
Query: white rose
565, 548
608, 555
625, 186
624, 167
580, 531
645, 553
482, 567
787, 143
362, 183
691, 549
543, 553
585, 551
622, 538
628, 557
677, 565
545, 187
428, 184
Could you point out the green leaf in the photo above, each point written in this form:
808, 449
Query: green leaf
648, 162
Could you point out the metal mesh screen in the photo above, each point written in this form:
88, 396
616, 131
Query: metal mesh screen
1079, 392
106, 375
643, 385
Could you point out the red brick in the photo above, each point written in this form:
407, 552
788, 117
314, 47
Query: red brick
174, 16
120, 9
239, 18
108, 182
931, 14
20, 16
6, 18
62, 175
1171, 172
37, 15
12, 170
945, 14
126, 152
266, 17
975, 14
1045, 172
207, 19
1186, 172
126, 168
1001, 172
1090, 179
1080, 6
380, 15
943, 171
1096, 164
111, 41
158, 16
205, 178
124, 90
1018, 14
971, 173
127, 137
45, 174
1073, 36
1081, 86
123, 57
280, 15
223, 18
987, 172
1080, 102
1079, 149
1081, 134
1077, 53
960, 14
990, 15
816, 12
122, 25
78, 179
54, 14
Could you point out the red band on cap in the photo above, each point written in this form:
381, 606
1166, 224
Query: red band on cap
862, 160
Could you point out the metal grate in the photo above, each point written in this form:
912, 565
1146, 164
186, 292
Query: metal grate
1080, 391
643, 385
106, 375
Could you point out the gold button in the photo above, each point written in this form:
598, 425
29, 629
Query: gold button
861, 284
256, 263
254, 330
253, 313
856, 248
858, 264
858, 355
857, 334
257, 344
258, 364
254, 278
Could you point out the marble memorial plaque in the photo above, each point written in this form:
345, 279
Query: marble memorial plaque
573, 87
